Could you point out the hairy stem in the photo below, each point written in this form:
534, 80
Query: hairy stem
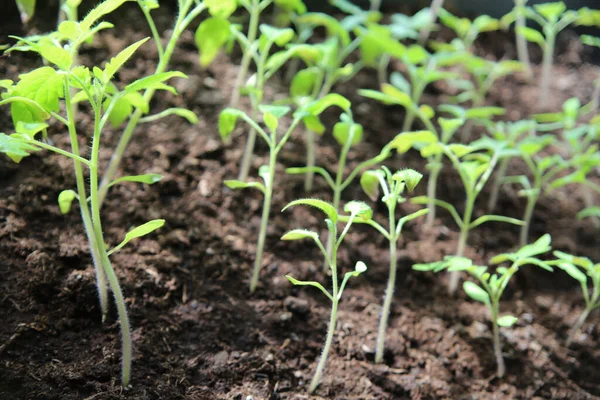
389, 291
500, 367
264, 222
462, 244
330, 331
249, 149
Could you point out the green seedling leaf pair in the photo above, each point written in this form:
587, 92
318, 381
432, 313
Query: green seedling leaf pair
357, 212
393, 187
490, 286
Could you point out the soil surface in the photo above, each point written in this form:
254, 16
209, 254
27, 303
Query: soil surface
198, 334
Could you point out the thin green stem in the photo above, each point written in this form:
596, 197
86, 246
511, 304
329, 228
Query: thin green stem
522, 51
264, 222
245, 64
389, 292
462, 241
497, 184
310, 160
524, 235
434, 172
433, 13
546, 70
577, 327
249, 149
501, 369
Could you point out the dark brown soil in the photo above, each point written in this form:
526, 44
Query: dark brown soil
198, 334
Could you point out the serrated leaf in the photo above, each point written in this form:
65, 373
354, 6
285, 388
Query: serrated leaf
155, 81
106, 7
117, 62
42, 85
410, 177
120, 111
507, 320
476, 293
15, 149
327, 208
56, 55
65, 199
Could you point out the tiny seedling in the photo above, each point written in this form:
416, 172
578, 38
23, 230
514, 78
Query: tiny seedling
392, 186
573, 266
271, 118
357, 211
552, 18
491, 286
466, 30
474, 164
36, 98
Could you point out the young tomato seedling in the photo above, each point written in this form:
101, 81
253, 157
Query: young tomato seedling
466, 30
271, 117
358, 211
517, 15
552, 18
573, 266
491, 286
36, 98
474, 164
392, 186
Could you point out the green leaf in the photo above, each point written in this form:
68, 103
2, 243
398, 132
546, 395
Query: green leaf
221, 8
29, 130
341, 132
359, 209
117, 62
279, 36
406, 140
42, 85
235, 184
56, 55
485, 23
593, 211
65, 199
15, 149
333, 99
551, 11
369, 181
327, 208
476, 292
211, 35
291, 5
484, 112
410, 177
434, 266
140, 231
26, 8
574, 272
590, 40
106, 7
531, 35
120, 111
227, 121
296, 282
155, 81
303, 82
333, 26
145, 178
507, 320
314, 124
300, 234
398, 96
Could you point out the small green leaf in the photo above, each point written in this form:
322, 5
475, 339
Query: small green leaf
410, 177
333, 26
406, 140
221, 8
211, 35
155, 81
588, 212
145, 178
296, 282
235, 184
360, 267
551, 11
476, 293
573, 271
507, 320
227, 121
369, 181
106, 7
531, 35
303, 82
341, 132
300, 234
15, 149
327, 208
333, 99
120, 59
26, 8
280, 36
140, 231
360, 209
65, 199
120, 111
42, 85
56, 55
456, 263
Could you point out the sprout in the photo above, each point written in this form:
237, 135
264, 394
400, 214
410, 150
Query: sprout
358, 211
490, 286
